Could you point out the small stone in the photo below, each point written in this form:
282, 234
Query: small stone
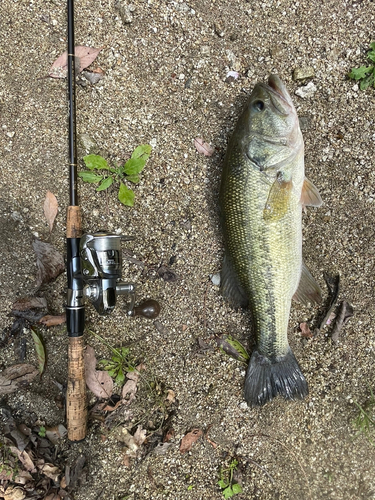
215, 279
88, 143
219, 30
303, 73
305, 123
306, 91
275, 50
188, 83
234, 63
92, 77
125, 11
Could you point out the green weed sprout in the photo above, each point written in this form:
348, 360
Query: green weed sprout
103, 174
365, 420
228, 487
119, 364
365, 74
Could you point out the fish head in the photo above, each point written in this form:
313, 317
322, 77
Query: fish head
268, 128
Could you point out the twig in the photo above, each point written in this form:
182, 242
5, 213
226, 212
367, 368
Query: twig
333, 284
263, 470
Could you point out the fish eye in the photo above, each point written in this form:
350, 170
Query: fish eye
258, 105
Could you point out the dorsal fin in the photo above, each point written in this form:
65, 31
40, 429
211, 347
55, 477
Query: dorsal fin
310, 196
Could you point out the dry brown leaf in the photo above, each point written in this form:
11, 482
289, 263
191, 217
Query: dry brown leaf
112, 408
53, 320
27, 303
162, 448
6, 475
77, 472
203, 147
189, 439
13, 493
24, 458
50, 471
344, 313
171, 396
49, 261
84, 56
16, 376
139, 435
212, 443
23, 477
99, 382
305, 331
132, 443
50, 209
53, 496
169, 435
55, 433
167, 274
130, 388
40, 348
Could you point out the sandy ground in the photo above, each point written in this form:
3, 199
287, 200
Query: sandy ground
166, 64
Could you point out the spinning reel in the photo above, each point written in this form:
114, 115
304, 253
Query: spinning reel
101, 267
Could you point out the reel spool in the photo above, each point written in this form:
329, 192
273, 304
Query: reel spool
101, 264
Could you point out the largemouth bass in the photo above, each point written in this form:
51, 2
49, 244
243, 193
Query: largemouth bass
263, 190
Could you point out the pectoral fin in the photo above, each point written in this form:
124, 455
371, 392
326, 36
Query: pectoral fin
278, 200
230, 286
310, 196
308, 291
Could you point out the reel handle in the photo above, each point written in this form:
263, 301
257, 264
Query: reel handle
149, 309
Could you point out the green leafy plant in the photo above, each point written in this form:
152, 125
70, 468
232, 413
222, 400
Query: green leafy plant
228, 486
365, 74
119, 364
364, 422
42, 431
100, 172
233, 348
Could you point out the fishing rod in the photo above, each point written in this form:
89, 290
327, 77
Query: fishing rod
94, 267
76, 408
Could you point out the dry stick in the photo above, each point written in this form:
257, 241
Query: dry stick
263, 470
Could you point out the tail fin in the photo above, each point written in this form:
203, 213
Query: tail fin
267, 378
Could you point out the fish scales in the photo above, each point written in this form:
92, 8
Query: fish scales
261, 210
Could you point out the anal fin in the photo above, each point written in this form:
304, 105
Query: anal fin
308, 291
230, 286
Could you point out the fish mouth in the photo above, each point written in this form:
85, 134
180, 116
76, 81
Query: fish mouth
277, 91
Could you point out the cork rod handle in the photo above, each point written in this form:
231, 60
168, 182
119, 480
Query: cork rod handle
76, 408
76, 390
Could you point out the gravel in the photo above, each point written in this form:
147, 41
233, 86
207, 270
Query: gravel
165, 83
